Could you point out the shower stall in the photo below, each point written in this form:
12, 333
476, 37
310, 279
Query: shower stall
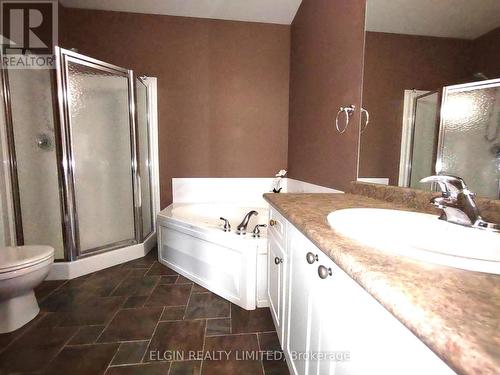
80, 148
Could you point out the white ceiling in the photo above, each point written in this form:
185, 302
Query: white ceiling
466, 19
268, 11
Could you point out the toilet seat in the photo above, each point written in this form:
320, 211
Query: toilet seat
15, 258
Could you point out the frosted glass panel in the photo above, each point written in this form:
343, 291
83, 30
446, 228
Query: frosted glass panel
101, 145
144, 157
471, 130
424, 139
34, 141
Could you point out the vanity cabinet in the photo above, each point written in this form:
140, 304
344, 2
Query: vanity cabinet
328, 324
276, 271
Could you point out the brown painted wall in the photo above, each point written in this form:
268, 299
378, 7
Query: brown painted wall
222, 87
393, 63
326, 73
486, 54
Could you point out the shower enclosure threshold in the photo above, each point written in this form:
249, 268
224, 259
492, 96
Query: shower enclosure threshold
97, 262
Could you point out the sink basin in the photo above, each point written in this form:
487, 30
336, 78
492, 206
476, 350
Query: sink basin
420, 236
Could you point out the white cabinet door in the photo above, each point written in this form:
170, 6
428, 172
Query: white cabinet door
359, 336
299, 304
324, 319
276, 277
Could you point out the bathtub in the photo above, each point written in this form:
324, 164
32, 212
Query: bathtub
191, 242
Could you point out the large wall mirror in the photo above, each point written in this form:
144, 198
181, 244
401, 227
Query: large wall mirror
432, 89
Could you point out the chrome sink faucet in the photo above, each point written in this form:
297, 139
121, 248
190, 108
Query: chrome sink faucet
458, 204
242, 228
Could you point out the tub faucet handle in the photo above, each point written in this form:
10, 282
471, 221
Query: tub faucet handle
256, 230
227, 226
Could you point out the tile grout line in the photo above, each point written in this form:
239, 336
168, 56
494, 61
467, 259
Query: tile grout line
45, 314
152, 335
35, 324
187, 304
203, 348
239, 334
110, 320
157, 323
62, 348
114, 355
53, 291
260, 350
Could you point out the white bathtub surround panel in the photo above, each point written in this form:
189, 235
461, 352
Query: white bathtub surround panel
297, 186
375, 180
237, 190
84, 266
229, 190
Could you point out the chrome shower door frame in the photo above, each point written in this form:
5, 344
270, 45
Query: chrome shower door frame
413, 128
72, 236
12, 160
145, 236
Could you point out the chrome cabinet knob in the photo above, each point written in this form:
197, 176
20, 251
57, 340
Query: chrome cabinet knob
278, 260
324, 272
272, 223
311, 258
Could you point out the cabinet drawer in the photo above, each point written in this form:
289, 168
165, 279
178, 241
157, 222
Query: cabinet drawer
277, 226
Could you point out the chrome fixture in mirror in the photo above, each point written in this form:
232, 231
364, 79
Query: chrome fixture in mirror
348, 112
367, 120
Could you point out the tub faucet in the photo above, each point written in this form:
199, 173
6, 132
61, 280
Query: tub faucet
242, 228
458, 204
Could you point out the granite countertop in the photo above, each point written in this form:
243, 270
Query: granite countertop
456, 313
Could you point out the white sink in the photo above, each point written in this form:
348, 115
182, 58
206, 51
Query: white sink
420, 236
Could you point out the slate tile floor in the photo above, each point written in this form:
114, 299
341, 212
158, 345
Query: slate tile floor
114, 321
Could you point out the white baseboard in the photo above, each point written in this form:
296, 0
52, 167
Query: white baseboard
236, 190
93, 263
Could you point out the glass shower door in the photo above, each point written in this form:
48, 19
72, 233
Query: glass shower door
32, 144
470, 136
98, 130
145, 164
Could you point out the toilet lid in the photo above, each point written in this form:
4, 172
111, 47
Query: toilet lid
15, 257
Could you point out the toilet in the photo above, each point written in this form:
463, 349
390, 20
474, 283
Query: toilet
22, 268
